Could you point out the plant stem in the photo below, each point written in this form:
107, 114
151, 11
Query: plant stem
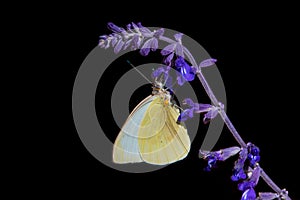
215, 101
271, 183
223, 114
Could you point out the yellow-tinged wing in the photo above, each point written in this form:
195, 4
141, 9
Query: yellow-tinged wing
160, 139
126, 148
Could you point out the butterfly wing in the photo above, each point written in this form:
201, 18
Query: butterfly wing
160, 139
126, 148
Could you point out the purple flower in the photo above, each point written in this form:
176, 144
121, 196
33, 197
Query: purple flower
152, 43
252, 181
136, 42
238, 174
111, 26
163, 70
168, 49
118, 46
114, 40
249, 194
253, 155
159, 32
149, 44
168, 59
212, 113
245, 185
168, 52
228, 152
238, 170
173, 48
145, 31
255, 175
211, 157
193, 108
133, 36
184, 115
211, 162
186, 72
214, 156
207, 62
118, 39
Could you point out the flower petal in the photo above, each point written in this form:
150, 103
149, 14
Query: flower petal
249, 194
147, 44
238, 174
228, 152
159, 32
179, 62
115, 28
128, 26
127, 43
179, 50
238, 170
255, 175
180, 79
267, 195
135, 26
188, 101
154, 44
156, 73
207, 62
210, 114
186, 71
253, 155
102, 43
245, 185
145, 31
203, 153
107, 44
136, 42
211, 163
184, 115
168, 49
114, 41
146, 47
169, 58
118, 46
145, 51
178, 36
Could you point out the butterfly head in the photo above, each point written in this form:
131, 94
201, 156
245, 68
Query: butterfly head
158, 89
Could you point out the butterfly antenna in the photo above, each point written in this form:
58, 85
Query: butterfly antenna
138, 71
166, 78
161, 79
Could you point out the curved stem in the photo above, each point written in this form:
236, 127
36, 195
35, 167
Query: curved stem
271, 183
166, 39
215, 101
223, 114
232, 129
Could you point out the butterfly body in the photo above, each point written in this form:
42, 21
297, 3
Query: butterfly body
151, 134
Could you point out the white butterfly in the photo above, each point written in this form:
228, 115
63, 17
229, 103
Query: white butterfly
151, 134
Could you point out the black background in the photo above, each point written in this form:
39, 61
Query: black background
257, 52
